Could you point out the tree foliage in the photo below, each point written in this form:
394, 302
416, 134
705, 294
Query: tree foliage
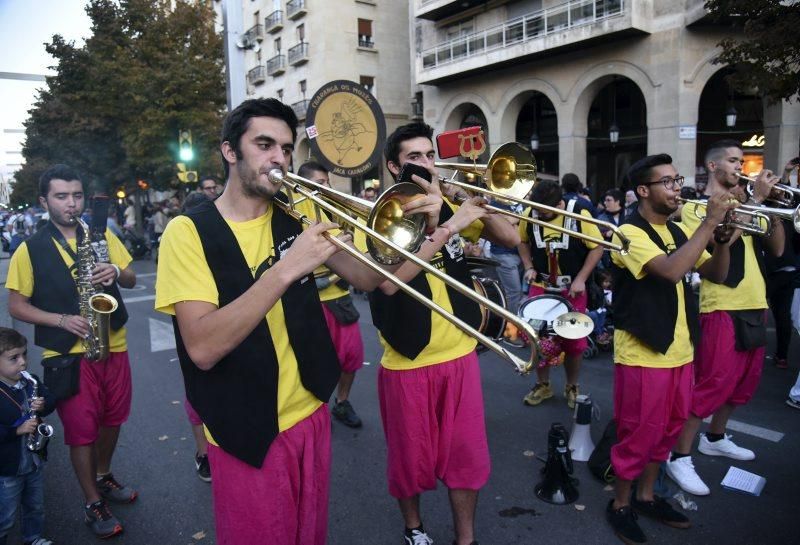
766, 52
115, 106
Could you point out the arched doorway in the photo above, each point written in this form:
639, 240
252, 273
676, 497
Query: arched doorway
725, 113
537, 128
619, 105
473, 117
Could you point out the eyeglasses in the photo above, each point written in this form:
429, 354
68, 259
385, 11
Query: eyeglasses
670, 183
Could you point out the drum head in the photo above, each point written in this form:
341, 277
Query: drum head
540, 311
573, 325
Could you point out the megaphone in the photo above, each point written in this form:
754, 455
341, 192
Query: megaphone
556, 485
580, 441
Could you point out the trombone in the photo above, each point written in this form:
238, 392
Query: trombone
339, 205
782, 194
509, 176
750, 219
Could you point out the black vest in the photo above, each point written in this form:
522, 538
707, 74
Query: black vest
54, 290
237, 398
736, 268
570, 260
406, 323
648, 308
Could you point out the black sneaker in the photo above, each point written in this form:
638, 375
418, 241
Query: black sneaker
99, 518
117, 492
416, 536
623, 521
660, 510
344, 413
203, 468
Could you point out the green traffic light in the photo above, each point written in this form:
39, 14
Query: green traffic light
186, 154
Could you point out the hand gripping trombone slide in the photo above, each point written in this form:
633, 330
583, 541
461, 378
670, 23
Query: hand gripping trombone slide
320, 195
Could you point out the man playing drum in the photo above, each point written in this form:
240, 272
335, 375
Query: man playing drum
559, 264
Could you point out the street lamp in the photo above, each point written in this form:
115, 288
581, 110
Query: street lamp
534, 134
730, 117
613, 132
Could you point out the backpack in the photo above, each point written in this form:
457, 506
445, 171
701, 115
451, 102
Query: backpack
600, 461
19, 224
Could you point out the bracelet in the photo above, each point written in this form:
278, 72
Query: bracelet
61, 321
116, 269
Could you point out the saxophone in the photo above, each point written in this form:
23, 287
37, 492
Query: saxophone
36, 441
95, 305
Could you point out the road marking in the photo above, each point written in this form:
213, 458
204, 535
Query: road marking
139, 299
145, 274
755, 431
162, 336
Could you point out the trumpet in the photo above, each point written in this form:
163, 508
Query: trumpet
340, 205
782, 194
753, 220
509, 176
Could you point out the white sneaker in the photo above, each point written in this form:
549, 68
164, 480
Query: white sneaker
682, 472
724, 447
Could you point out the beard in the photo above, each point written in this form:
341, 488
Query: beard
664, 208
63, 219
250, 185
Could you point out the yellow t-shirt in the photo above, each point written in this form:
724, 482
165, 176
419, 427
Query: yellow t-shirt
628, 349
751, 293
447, 341
20, 278
589, 229
184, 275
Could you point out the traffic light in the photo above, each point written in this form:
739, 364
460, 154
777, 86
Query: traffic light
185, 151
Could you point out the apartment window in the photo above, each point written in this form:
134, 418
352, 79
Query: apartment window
368, 83
257, 18
277, 45
301, 33
280, 94
303, 88
365, 33
459, 29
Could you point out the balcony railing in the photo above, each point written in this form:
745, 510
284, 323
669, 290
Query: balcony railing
296, 9
276, 65
300, 108
254, 34
256, 75
366, 41
274, 21
298, 54
520, 29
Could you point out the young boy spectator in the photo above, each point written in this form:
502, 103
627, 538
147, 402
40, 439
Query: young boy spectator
21, 471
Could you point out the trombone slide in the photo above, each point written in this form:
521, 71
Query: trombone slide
294, 183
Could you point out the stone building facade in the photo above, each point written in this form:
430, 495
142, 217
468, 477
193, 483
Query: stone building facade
574, 69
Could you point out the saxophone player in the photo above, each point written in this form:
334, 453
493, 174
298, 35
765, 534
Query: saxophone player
46, 290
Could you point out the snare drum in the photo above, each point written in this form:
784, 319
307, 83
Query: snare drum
541, 311
492, 325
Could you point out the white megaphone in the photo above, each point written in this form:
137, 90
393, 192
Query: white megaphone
580, 441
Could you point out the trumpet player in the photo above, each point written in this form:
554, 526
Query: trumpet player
93, 397
656, 328
729, 360
21, 469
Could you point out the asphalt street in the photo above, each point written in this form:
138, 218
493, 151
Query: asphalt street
156, 449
